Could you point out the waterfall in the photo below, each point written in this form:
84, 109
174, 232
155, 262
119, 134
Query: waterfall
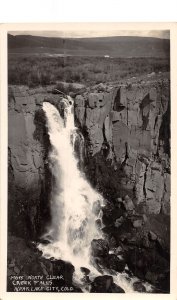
73, 220
72, 199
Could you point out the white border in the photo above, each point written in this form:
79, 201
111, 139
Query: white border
88, 11
3, 204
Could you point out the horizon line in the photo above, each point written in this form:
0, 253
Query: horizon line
78, 34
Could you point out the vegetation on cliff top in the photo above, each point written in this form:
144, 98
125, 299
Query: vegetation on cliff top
35, 70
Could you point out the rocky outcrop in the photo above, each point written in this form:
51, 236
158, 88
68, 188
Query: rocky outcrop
130, 125
92, 113
29, 175
127, 130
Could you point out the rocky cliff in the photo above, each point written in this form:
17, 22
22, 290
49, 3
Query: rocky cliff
29, 175
127, 133
129, 126
126, 128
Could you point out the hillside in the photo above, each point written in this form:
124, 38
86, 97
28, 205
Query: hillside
119, 46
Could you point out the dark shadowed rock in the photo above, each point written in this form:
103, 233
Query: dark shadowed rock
115, 263
147, 264
85, 270
119, 222
24, 261
152, 236
116, 289
112, 242
139, 287
44, 241
111, 213
96, 207
99, 248
105, 284
64, 268
98, 223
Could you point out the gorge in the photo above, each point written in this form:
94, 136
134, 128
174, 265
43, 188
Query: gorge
122, 144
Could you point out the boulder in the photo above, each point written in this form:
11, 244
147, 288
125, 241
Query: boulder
119, 222
128, 203
63, 268
105, 284
99, 248
98, 223
119, 200
152, 236
115, 263
85, 270
137, 223
111, 213
96, 207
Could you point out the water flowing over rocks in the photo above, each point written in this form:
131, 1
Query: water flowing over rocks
126, 157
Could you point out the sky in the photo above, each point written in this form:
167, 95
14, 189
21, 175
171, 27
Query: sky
78, 33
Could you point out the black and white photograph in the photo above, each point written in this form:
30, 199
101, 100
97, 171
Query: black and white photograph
89, 144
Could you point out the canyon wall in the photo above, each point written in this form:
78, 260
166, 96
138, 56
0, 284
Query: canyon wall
130, 126
126, 157
29, 176
127, 148
127, 137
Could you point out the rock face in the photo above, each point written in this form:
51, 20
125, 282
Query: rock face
92, 112
127, 132
126, 156
130, 124
29, 175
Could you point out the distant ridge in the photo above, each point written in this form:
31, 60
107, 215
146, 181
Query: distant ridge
118, 46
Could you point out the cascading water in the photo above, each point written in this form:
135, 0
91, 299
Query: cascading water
73, 221
72, 226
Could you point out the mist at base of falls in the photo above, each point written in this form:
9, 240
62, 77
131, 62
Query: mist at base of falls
72, 200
